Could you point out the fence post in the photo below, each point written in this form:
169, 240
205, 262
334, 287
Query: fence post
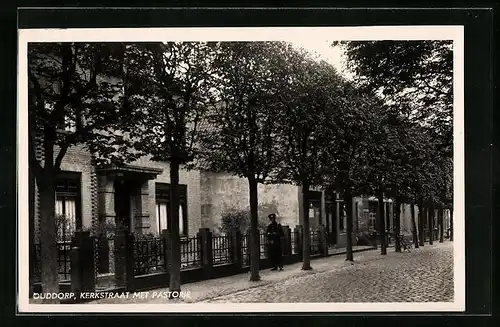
298, 239
88, 263
287, 240
103, 250
205, 236
76, 275
236, 253
82, 262
124, 259
323, 244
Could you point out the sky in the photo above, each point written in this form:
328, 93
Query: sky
323, 48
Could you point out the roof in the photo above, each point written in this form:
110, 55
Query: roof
133, 169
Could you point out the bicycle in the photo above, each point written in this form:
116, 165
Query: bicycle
406, 245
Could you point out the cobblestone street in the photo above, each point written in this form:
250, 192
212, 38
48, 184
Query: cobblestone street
424, 275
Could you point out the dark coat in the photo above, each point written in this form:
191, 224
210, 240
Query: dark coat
274, 233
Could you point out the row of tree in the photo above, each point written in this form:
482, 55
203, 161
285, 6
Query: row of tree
264, 111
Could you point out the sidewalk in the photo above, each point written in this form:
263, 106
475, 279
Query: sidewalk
212, 288
342, 250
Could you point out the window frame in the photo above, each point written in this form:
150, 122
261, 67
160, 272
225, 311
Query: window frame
163, 195
65, 177
372, 218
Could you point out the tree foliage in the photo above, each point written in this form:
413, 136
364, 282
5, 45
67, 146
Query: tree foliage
74, 98
415, 77
168, 89
240, 136
309, 92
264, 111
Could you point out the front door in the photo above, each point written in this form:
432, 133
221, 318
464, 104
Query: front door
122, 204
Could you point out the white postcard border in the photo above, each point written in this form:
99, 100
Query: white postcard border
454, 33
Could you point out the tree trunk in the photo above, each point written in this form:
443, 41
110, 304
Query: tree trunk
421, 217
389, 223
381, 223
48, 241
349, 222
441, 226
414, 226
175, 244
430, 218
306, 240
451, 224
397, 224
254, 230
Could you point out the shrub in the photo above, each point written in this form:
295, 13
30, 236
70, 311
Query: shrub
107, 230
240, 219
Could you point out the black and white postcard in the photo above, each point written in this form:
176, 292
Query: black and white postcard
294, 169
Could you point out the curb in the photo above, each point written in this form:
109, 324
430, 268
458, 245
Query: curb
353, 251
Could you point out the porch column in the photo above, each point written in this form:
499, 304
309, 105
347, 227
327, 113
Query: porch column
106, 210
106, 203
142, 218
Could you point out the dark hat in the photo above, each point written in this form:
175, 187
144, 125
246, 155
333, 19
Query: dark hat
272, 216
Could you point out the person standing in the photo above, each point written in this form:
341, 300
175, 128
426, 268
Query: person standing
274, 235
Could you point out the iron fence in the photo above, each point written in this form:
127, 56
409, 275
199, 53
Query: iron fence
245, 250
221, 250
63, 261
149, 254
315, 242
191, 252
245, 247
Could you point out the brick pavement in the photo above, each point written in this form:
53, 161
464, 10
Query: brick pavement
424, 275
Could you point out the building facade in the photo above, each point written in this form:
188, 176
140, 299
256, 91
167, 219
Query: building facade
137, 196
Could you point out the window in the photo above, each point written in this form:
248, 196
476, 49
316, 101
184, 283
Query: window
68, 205
163, 215
372, 215
372, 221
